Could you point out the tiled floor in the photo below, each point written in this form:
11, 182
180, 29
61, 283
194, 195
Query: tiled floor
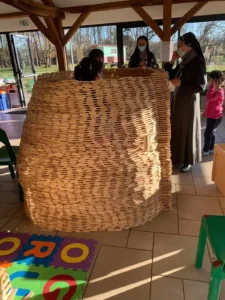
151, 262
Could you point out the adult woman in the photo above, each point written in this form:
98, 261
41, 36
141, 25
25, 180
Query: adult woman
142, 52
189, 80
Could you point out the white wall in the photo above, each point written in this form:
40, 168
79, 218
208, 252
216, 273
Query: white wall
114, 16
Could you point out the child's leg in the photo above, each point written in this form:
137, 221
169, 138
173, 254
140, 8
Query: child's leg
217, 123
209, 134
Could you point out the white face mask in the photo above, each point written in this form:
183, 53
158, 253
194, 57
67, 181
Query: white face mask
181, 53
142, 48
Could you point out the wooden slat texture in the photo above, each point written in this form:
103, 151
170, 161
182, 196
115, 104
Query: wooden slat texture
83, 153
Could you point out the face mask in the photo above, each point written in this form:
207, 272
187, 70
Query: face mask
142, 48
181, 53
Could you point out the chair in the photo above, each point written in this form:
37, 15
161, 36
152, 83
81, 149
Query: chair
213, 228
8, 153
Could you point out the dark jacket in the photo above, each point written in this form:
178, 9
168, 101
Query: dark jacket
135, 58
186, 121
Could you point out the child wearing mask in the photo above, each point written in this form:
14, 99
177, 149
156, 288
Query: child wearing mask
214, 110
143, 52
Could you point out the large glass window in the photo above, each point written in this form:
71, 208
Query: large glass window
130, 36
6, 70
212, 39
102, 37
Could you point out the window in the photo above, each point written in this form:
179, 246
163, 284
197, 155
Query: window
212, 41
113, 51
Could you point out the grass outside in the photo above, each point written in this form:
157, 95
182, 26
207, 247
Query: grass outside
8, 72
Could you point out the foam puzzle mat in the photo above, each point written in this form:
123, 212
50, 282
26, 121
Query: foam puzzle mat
51, 267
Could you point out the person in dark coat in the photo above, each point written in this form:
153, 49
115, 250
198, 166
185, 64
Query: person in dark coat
189, 79
142, 52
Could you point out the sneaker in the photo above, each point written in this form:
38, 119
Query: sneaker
211, 151
185, 168
205, 153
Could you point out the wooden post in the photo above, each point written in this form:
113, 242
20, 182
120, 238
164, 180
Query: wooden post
167, 14
61, 55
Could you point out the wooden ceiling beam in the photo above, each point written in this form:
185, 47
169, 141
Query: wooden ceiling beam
13, 15
107, 6
188, 16
167, 18
34, 8
75, 27
53, 30
148, 20
123, 4
41, 27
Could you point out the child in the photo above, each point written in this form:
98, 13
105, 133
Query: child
97, 54
214, 110
89, 69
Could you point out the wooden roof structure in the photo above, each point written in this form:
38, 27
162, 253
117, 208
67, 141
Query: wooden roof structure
50, 16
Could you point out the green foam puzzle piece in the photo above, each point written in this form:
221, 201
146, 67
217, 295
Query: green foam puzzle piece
43, 275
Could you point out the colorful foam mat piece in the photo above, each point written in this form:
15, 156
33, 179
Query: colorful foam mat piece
52, 268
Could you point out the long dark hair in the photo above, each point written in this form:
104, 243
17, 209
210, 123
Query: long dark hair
134, 60
88, 69
191, 40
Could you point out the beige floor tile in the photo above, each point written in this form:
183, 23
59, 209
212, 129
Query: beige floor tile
4, 208
182, 178
185, 189
82, 235
222, 290
174, 256
211, 254
25, 226
203, 170
164, 288
166, 223
10, 225
117, 238
3, 221
194, 207
9, 187
120, 274
6, 177
174, 199
206, 187
222, 202
195, 290
187, 227
140, 240
20, 214
9, 197
14, 210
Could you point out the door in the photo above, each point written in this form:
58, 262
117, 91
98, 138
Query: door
24, 66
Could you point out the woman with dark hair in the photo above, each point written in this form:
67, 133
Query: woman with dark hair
142, 52
188, 78
89, 69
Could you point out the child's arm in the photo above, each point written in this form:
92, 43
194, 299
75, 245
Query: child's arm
216, 96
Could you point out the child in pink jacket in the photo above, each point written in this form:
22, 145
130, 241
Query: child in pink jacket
214, 110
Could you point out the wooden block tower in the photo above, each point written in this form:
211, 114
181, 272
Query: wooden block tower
6, 290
